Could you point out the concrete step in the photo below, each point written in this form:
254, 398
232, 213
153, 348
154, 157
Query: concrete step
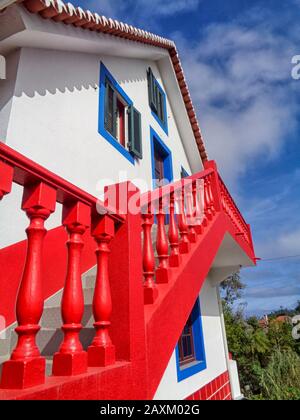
89, 281
52, 317
49, 341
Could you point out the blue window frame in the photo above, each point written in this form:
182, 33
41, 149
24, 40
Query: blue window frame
157, 101
157, 145
199, 362
105, 76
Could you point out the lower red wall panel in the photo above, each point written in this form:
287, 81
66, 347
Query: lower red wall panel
54, 268
217, 390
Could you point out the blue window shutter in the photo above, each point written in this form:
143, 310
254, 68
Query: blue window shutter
135, 132
110, 111
153, 91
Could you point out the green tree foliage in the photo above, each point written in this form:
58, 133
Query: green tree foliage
232, 288
267, 355
281, 379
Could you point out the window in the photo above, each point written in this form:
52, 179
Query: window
161, 156
158, 167
114, 112
119, 120
186, 344
190, 351
157, 100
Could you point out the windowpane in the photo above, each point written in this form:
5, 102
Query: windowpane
109, 110
121, 122
186, 344
158, 168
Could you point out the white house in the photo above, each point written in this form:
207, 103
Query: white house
89, 102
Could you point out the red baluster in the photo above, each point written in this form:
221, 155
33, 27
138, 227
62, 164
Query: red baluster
211, 197
174, 259
231, 213
184, 245
6, 179
102, 352
235, 217
190, 213
71, 359
150, 288
198, 219
26, 367
162, 247
203, 204
215, 187
207, 209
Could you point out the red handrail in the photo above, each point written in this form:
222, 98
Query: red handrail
232, 200
26, 171
155, 195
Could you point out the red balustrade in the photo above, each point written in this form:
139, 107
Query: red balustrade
102, 351
190, 205
71, 359
42, 189
232, 211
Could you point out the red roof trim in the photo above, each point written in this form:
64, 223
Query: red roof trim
58, 11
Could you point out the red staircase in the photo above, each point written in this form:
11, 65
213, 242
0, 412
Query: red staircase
134, 338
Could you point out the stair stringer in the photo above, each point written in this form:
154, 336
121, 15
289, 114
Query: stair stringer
176, 301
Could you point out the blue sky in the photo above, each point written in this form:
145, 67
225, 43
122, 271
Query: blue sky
237, 59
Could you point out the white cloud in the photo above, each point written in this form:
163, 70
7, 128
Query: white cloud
140, 11
290, 242
241, 85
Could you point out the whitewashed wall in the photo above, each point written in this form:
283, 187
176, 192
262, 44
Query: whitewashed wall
53, 120
169, 387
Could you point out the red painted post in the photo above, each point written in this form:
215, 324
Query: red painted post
174, 259
150, 288
26, 368
6, 179
184, 244
127, 329
162, 246
71, 359
102, 352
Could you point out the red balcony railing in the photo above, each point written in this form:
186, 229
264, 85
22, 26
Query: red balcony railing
182, 212
232, 211
81, 212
